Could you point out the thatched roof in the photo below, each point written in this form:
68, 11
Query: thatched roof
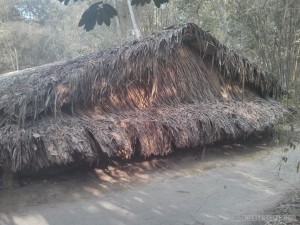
174, 89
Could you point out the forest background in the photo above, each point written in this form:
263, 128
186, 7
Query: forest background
36, 32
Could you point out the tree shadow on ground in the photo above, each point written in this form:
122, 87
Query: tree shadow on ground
36, 200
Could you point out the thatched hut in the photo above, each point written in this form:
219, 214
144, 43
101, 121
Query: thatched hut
177, 88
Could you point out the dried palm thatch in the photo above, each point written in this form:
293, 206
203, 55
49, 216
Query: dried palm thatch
174, 89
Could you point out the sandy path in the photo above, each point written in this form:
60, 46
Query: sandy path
233, 181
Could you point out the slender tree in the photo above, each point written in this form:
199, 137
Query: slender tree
137, 31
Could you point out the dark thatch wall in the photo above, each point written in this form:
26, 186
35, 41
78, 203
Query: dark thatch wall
177, 88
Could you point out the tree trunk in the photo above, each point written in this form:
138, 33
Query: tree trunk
117, 19
223, 15
137, 31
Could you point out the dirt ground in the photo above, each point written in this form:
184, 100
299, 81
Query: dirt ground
233, 184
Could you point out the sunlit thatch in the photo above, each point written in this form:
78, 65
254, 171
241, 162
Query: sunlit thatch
175, 89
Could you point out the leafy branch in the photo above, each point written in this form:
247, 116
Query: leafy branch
101, 12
